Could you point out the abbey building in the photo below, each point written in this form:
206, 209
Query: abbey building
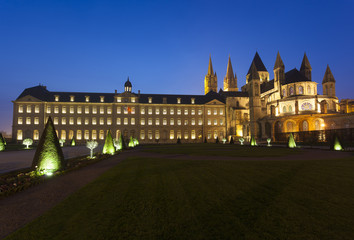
261, 108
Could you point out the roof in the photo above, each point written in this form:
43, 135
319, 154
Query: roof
258, 63
43, 94
266, 86
233, 93
128, 83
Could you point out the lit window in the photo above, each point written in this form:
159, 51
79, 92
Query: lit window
178, 100
71, 110
118, 121
94, 110
87, 110
133, 110
142, 134
94, 121
192, 100
101, 134
119, 99
301, 90
35, 135
87, 121
179, 122
200, 121
215, 122
200, 112
142, 110
186, 135
78, 121
157, 134
215, 134
20, 109
63, 109
150, 134
94, 134
172, 121
150, 121
56, 98
28, 120
56, 109
36, 109
164, 121
164, 111
150, 99
109, 110
71, 121
172, 111
63, 121
193, 121
150, 110
221, 122
101, 121
109, 121
179, 112
19, 120
157, 111
142, 121
209, 111
185, 122
291, 90
133, 100
125, 121
78, 135
119, 110
72, 98
101, 110
193, 111
125, 110
101, 98
79, 109
193, 134
132, 121
221, 111
36, 120
87, 98
29, 109
157, 121
172, 134
19, 135
87, 134
209, 121
215, 111
186, 111
56, 121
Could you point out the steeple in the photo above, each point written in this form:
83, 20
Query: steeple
261, 69
210, 80
230, 81
253, 73
306, 68
328, 77
278, 62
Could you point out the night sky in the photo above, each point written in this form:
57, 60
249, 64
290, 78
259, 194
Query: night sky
164, 46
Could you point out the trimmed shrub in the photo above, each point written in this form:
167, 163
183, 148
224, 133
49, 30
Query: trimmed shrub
108, 147
72, 142
217, 140
336, 143
253, 141
178, 140
2, 143
231, 140
291, 141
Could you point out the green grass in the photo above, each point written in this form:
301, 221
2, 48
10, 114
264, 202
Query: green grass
211, 149
144, 198
16, 147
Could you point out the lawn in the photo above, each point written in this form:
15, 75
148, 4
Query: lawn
143, 198
212, 149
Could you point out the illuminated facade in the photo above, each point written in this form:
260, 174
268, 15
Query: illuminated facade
288, 103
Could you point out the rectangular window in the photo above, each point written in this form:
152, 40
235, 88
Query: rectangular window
150, 110
101, 110
193, 134
87, 110
150, 99
125, 121
19, 120
172, 134
118, 121
142, 121
172, 121
94, 121
56, 109
101, 134
28, 120
19, 134
164, 111
78, 121
200, 112
71, 121
119, 99
193, 121
94, 110
186, 135
150, 134
157, 134
125, 110
157, 111
215, 111
186, 111
209, 111
94, 134
142, 134
36, 120
133, 110
109, 121
36, 109
63, 109
179, 112
164, 121
150, 121
221, 111
71, 109
133, 100
209, 121
119, 110
29, 109
87, 134
101, 98
172, 111
193, 111
87, 121
157, 121
56, 121
221, 122
142, 110
192, 100
132, 121
215, 122
109, 110
72, 98
48, 109
63, 121
79, 109
200, 122
101, 121
20, 109
179, 122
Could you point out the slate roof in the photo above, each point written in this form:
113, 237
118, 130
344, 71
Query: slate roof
258, 63
43, 94
233, 94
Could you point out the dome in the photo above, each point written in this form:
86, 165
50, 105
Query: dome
128, 84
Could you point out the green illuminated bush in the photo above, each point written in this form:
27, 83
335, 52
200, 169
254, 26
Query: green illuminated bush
117, 144
49, 156
241, 140
2, 143
131, 143
336, 144
253, 141
72, 142
291, 142
108, 147
62, 141
28, 142
231, 140
136, 142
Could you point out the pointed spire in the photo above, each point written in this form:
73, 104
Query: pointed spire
328, 77
305, 63
229, 71
210, 68
278, 62
258, 64
253, 72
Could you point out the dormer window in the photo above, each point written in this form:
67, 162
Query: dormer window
193, 100
56, 98
72, 98
119, 99
133, 100
178, 100
101, 98
87, 98
164, 100
150, 99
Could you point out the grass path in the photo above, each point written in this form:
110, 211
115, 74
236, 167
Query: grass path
158, 196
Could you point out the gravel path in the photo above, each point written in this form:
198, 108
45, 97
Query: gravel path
19, 209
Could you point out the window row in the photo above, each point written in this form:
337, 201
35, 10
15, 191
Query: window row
171, 121
28, 108
28, 120
171, 110
300, 90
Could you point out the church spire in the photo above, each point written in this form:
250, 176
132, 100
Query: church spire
328, 77
230, 81
306, 68
278, 62
210, 80
210, 68
253, 72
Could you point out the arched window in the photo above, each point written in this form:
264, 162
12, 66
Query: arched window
284, 92
284, 109
35, 135
290, 108
301, 90
317, 125
291, 90
63, 134
78, 135
305, 126
308, 90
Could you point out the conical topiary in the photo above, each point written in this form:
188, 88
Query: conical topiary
291, 141
231, 140
217, 140
335, 144
178, 140
253, 141
49, 156
205, 140
2, 143
131, 143
123, 142
108, 147
72, 142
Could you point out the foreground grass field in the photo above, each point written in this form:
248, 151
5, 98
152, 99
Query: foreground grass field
212, 149
143, 198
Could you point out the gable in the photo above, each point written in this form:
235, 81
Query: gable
28, 98
214, 102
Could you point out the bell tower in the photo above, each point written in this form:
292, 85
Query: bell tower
211, 80
230, 80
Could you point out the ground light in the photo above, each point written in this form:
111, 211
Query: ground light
336, 145
268, 141
49, 156
241, 140
291, 142
108, 147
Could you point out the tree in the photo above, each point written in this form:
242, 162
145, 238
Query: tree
217, 140
205, 140
131, 142
72, 142
91, 145
117, 144
291, 141
27, 142
178, 140
62, 141
3, 139
231, 140
123, 142
49, 156
241, 140
108, 147
2, 143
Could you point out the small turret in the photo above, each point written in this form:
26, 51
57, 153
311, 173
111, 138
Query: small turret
306, 68
230, 80
254, 83
279, 72
210, 81
128, 86
329, 83
261, 69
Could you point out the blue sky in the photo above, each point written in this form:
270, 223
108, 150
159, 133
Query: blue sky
164, 46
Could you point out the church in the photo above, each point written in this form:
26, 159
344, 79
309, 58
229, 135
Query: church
263, 108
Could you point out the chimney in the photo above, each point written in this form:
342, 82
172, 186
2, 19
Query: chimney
139, 93
115, 91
